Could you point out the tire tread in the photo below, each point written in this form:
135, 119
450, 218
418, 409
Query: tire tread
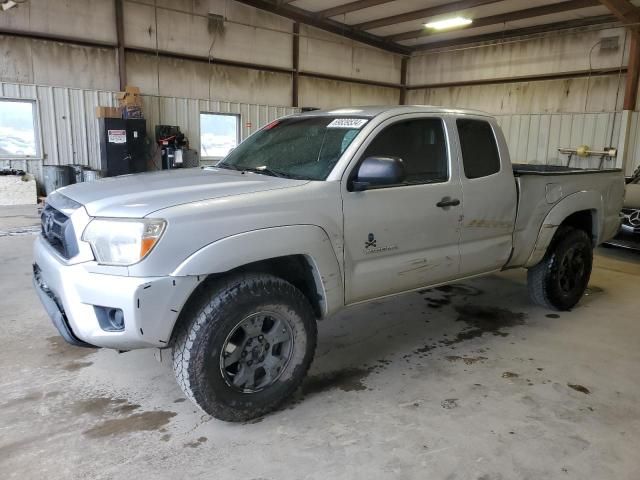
199, 313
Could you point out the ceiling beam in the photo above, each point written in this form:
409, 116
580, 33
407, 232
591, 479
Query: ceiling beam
525, 78
503, 18
518, 32
423, 13
308, 18
624, 11
350, 7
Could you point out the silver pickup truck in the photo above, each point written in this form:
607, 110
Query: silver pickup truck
230, 267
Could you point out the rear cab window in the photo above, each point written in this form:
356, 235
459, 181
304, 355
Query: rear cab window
480, 156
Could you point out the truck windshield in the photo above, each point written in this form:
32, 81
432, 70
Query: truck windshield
297, 147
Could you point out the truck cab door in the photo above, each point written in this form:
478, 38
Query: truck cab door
404, 236
490, 197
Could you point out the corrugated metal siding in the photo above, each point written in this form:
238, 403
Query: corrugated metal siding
535, 138
69, 128
634, 143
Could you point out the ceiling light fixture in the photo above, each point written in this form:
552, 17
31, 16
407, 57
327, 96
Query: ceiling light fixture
8, 4
449, 23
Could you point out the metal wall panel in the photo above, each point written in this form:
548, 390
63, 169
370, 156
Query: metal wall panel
68, 127
634, 143
535, 138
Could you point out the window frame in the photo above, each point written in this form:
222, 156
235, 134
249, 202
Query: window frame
381, 128
238, 116
463, 173
37, 129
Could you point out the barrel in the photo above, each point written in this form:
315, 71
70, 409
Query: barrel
90, 175
55, 176
76, 173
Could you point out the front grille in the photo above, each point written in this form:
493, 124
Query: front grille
57, 230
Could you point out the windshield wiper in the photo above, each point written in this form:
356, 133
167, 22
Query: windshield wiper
261, 170
227, 166
268, 171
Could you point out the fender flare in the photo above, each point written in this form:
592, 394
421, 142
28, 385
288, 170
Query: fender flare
576, 202
241, 249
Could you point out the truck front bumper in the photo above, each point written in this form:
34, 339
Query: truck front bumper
73, 296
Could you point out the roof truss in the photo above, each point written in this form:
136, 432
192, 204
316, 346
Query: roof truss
622, 10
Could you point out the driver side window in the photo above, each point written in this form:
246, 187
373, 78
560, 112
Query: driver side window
420, 143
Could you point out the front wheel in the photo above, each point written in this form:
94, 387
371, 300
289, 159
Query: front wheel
562, 276
244, 346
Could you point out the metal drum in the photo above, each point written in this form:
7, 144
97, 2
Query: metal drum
90, 175
76, 173
55, 176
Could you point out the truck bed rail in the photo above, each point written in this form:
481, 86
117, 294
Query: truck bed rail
539, 169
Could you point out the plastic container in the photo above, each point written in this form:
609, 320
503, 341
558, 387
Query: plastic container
55, 176
90, 175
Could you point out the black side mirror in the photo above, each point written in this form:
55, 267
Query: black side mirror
376, 171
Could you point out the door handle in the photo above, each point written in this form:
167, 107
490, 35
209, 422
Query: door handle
448, 202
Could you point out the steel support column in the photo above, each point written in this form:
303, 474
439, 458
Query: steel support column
122, 64
295, 63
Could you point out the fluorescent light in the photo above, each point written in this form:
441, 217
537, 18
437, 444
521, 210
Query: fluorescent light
449, 23
8, 4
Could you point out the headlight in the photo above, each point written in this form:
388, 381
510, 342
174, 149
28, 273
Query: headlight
122, 241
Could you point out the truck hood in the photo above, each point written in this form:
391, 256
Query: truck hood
632, 196
138, 195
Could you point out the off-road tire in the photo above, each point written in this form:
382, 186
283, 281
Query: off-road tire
216, 309
543, 280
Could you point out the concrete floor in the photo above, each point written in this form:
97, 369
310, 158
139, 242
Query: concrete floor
471, 382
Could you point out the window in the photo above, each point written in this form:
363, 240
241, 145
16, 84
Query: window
18, 137
219, 134
296, 147
419, 143
479, 149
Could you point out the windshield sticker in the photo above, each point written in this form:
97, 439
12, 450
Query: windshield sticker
347, 123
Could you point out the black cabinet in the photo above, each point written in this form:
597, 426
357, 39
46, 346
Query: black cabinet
123, 146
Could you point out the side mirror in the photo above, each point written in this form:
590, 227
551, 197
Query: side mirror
376, 171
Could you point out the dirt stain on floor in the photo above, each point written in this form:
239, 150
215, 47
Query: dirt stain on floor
465, 360
449, 403
483, 319
552, 315
438, 303
61, 349
138, 422
196, 443
104, 405
480, 319
447, 292
30, 397
579, 388
347, 380
75, 366
510, 375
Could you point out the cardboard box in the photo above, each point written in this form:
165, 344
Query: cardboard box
127, 99
130, 97
108, 112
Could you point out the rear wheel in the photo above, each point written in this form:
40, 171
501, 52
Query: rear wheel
562, 276
244, 346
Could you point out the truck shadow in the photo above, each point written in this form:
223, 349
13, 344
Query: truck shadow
409, 328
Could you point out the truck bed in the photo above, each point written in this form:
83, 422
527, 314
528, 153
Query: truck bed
542, 187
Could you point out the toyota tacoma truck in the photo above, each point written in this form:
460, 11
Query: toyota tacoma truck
230, 267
